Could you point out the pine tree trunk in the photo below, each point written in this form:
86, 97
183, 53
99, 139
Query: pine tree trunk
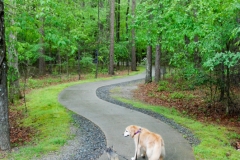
148, 78
4, 123
118, 21
42, 50
14, 87
111, 55
157, 64
134, 65
222, 83
127, 19
79, 67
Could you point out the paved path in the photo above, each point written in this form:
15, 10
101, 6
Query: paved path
113, 119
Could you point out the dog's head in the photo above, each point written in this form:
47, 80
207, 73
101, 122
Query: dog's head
131, 131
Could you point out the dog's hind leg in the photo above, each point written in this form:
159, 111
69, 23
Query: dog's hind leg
143, 155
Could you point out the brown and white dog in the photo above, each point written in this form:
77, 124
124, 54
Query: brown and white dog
146, 142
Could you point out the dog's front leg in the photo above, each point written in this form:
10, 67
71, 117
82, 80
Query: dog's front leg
137, 152
134, 158
136, 149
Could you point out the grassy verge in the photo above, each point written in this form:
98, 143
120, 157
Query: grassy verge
48, 118
215, 140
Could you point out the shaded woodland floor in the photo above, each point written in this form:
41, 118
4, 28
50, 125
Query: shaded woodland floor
190, 103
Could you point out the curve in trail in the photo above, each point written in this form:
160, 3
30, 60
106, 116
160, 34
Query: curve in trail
113, 119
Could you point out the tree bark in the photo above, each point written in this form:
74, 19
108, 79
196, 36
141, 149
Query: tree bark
42, 50
133, 64
127, 19
14, 87
157, 63
111, 55
79, 67
222, 83
4, 123
148, 78
118, 21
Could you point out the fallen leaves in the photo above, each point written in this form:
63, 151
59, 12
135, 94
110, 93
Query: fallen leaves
197, 107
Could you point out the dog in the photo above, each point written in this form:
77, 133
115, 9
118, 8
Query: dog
147, 142
111, 154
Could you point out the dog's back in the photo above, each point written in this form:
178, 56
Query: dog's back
154, 144
111, 154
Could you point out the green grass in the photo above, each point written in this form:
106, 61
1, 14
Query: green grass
48, 117
215, 140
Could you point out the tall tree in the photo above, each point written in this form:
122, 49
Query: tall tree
111, 54
133, 64
4, 124
14, 87
157, 64
148, 78
118, 20
128, 3
42, 49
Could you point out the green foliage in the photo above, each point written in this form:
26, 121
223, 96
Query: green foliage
162, 86
121, 51
177, 95
229, 60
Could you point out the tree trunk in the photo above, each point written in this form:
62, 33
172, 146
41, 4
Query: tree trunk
229, 100
134, 65
4, 123
98, 42
79, 69
42, 50
197, 58
148, 78
222, 83
118, 20
157, 64
111, 55
127, 19
59, 62
14, 87
67, 65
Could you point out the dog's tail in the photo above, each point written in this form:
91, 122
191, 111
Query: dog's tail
163, 153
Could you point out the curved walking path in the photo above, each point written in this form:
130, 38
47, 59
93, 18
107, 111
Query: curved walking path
113, 119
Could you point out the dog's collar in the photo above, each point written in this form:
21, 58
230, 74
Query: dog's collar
137, 131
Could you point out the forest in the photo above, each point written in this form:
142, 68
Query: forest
196, 42
199, 39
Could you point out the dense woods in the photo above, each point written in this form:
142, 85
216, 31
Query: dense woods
199, 39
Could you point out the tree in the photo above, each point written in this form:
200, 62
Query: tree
111, 54
148, 78
133, 44
42, 48
157, 64
4, 124
118, 20
13, 72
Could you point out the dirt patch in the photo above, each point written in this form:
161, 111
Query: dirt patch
126, 91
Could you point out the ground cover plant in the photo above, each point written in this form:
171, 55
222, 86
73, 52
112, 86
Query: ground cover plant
42, 125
